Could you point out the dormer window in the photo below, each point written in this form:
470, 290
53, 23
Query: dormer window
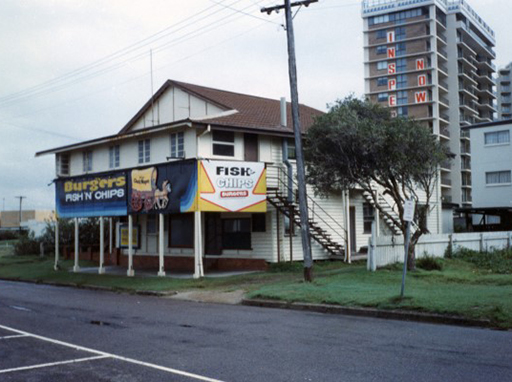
62, 164
144, 151
177, 145
223, 143
87, 161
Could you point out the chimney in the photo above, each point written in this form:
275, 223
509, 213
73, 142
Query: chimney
283, 112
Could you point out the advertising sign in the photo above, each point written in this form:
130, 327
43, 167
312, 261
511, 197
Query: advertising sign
123, 236
165, 188
232, 186
87, 196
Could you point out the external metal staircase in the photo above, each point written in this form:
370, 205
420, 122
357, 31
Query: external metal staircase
322, 226
386, 204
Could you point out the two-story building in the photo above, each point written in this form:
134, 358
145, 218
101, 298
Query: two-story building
202, 175
491, 180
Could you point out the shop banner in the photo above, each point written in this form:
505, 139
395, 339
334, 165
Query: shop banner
232, 186
165, 188
89, 196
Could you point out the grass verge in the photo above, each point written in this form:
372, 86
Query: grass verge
461, 288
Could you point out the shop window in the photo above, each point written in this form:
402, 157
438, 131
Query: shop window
178, 145
236, 234
144, 151
113, 156
368, 217
223, 143
259, 223
151, 224
87, 161
181, 230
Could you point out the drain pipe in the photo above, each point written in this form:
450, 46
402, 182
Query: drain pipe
286, 162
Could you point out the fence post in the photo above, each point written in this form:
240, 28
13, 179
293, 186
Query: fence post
481, 242
450, 244
509, 240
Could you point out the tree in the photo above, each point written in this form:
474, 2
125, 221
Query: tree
359, 144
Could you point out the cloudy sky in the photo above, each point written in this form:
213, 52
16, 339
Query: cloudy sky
73, 70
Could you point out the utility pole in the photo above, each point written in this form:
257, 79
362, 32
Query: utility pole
21, 200
301, 173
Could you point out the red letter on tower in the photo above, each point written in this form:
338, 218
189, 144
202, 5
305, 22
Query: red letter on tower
391, 36
420, 64
392, 100
391, 68
421, 97
392, 84
391, 52
422, 80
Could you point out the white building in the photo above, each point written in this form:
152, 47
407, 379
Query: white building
193, 134
492, 164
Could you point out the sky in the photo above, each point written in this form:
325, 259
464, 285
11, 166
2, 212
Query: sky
74, 70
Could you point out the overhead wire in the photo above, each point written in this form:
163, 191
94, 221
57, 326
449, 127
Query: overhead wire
122, 52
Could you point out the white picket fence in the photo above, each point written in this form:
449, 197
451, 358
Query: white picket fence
390, 249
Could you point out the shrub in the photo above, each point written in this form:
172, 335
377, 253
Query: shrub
496, 261
8, 235
429, 263
27, 245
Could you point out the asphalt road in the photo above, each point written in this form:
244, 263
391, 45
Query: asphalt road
63, 334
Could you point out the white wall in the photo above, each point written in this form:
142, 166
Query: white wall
488, 158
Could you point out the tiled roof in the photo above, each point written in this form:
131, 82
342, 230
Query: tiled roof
252, 112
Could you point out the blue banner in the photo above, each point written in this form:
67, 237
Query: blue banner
92, 195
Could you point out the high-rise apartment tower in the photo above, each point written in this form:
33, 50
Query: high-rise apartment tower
505, 92
433, 60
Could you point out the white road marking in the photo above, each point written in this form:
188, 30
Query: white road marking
14, 336
109, 355
20, 308
42, 365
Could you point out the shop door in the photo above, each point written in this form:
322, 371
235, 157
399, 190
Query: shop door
250, 147
213, 234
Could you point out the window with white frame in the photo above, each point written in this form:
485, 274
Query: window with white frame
113, 156
144, 151
497, 177
177, 145
381, 49
223, 143
87, 161
62, 164
497, 137
368, 216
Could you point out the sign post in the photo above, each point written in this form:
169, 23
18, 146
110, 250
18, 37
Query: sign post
408, 217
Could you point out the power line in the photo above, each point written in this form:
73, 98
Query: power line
69, 77
244, 13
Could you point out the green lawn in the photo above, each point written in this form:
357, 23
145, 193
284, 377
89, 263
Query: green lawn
461, 288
